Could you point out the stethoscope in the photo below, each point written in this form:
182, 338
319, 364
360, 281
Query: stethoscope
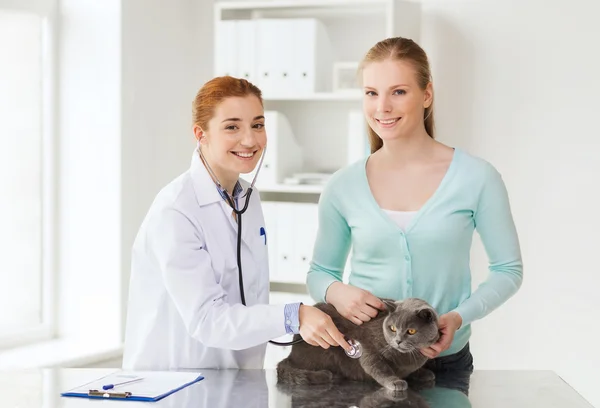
238, 216
356, 351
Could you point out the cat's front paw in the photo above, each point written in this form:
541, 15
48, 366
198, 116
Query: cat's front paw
396, 385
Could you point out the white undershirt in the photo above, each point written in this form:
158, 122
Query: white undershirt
402, 218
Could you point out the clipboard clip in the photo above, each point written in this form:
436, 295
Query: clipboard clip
106, 394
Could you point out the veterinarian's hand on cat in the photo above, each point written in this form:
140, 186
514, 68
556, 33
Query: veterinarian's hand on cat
355, 304
448, 324
317, 329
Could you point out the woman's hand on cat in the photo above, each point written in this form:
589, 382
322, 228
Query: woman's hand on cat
355, 304
317, 329
448, 324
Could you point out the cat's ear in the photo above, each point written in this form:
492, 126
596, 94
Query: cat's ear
427, 315
390, 305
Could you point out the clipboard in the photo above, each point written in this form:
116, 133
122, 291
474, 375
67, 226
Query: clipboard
146, 386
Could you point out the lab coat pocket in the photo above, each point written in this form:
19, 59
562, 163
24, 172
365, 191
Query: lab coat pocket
259, 247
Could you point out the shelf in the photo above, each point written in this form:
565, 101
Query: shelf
325, 96
285, 188
295, 4
288, 287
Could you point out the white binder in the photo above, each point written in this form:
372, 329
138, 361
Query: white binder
274, 56
226, 48
284, 57
246, 50
312, 67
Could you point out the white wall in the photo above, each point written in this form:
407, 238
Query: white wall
166, 56
89, 106
128, 72
517, 83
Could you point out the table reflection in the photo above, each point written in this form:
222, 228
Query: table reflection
259, 389
445, 392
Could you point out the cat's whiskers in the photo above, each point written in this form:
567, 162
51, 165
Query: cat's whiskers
415, 356
388, 349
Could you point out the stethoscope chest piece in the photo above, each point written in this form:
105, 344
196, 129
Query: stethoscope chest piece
356, 351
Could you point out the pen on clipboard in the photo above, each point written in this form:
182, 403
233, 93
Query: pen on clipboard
111, 386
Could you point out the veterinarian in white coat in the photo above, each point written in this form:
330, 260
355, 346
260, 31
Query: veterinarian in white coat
184, 308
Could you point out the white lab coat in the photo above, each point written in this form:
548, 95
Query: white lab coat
184, 307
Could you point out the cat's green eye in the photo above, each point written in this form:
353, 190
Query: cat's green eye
393, 328
411, 331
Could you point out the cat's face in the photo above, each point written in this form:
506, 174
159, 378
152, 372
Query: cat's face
411, 325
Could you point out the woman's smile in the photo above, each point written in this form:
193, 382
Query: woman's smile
387, 123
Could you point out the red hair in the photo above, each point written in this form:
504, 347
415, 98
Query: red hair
214, 92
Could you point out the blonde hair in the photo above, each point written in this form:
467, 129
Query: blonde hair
401, 49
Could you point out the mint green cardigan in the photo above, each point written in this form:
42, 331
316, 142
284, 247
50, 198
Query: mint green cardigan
430, 260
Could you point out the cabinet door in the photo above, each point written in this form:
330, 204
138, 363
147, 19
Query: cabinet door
270, 214
285, 242
306, 218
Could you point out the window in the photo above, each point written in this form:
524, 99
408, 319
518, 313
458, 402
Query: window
26, 176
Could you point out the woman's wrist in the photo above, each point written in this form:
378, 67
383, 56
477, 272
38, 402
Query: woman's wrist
331, 290
457, 318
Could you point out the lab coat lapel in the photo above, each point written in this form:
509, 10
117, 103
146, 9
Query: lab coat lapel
228, 211
207, 193
204, 187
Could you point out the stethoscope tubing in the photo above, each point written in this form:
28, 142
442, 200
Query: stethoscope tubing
238, 217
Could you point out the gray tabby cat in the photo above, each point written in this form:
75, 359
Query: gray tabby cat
390, 348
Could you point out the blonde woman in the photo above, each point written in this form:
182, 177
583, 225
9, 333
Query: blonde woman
414, 206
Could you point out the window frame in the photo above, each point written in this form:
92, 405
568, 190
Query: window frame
47, 10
